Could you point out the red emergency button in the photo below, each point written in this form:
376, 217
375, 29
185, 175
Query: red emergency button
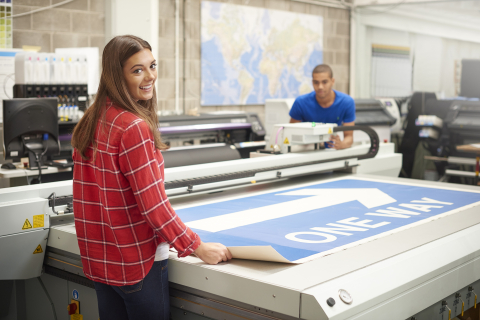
72, 307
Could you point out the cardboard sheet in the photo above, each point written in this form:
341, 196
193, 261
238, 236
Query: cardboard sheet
473, 148
261, 253
299, 224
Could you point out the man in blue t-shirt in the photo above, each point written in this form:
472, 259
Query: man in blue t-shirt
326, 105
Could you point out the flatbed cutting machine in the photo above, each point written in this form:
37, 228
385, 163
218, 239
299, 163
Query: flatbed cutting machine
354, 246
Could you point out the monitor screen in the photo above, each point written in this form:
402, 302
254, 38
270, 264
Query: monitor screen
30, 124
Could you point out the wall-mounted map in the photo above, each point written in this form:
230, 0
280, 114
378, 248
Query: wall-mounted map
252, 54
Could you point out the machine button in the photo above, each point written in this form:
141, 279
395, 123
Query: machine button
72, 307
331, 302
345, 296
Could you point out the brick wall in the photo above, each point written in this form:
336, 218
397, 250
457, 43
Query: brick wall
81, 23
336, 48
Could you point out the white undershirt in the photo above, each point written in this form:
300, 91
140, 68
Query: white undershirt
162, 251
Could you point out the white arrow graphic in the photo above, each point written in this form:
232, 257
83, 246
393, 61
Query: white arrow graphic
321, 198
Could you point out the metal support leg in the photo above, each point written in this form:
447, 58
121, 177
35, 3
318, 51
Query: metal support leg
477, 169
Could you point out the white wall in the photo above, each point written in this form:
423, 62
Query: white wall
427, 66
436, 40
139, 18
453, 50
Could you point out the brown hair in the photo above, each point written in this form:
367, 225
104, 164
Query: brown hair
112, 85
321, 68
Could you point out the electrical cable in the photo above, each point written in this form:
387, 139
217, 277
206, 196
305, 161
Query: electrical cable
42, 9
26, 176
278, 131
276, 148
39, 161
52, 197
7, 76
327, 3
347, 5
383, 11
184, 55
38, 158
49, 299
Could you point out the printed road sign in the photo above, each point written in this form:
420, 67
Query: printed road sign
305, 221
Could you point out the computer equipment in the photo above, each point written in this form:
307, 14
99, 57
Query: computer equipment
9, 166
30, 129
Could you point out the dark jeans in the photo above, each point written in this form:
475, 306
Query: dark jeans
146, 300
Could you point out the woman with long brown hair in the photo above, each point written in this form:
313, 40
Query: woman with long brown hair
124, 221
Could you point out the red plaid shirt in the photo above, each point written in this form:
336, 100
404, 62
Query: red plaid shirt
121, 210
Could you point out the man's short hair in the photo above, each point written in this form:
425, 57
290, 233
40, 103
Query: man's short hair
321, 68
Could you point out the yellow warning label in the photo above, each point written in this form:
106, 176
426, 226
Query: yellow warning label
27, 225
38, 250
286, 141
38, 221
329, 130
271, 146
76, 317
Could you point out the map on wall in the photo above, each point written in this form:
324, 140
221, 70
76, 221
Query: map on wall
252, 54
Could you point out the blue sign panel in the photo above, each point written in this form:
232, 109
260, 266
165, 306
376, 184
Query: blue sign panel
302, 222
75, 294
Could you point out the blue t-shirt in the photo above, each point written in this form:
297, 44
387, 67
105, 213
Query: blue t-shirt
306, 109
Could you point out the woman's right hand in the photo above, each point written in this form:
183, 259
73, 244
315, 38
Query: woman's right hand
213, 253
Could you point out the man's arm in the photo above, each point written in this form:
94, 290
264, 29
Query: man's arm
347, 139
296, 112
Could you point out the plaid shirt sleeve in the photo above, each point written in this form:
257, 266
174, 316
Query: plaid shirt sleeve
142, 165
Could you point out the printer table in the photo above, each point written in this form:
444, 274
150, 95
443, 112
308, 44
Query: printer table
397, 272
473, 148
20, 177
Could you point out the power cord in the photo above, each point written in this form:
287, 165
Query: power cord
38, 158
390, 8
42, 9
49, 299
52, 197
7, 76
26, 176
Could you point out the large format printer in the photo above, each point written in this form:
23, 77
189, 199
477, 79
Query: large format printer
210, 137
206, 137
382, 115
424, 265
463, 123
445, 125
454, 122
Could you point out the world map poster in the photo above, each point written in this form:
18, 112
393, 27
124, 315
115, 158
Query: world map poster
251, 54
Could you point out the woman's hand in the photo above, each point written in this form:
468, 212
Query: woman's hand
213, 253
